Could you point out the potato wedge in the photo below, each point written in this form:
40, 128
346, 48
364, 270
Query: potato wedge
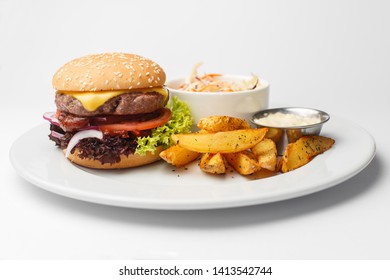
178, 156
293, 135
274, 134
304, 150
220, 142
244, 162
222, 123
266, 154
213, 163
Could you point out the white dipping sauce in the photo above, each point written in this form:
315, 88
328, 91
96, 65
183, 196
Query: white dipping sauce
280, 119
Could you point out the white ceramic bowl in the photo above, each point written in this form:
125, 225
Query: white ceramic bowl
240, 104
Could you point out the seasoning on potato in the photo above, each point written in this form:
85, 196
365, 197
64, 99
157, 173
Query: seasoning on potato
222, 123
304, 150
221, 142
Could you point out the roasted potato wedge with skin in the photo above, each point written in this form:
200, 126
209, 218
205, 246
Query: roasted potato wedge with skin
220, 142
244, 162
274, 134
178, 156
304, 150
266, 154
293, 135
222, 123
213, 163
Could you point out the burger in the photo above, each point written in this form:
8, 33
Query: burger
113, 111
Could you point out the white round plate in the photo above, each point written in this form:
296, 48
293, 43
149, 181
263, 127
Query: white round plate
161, 186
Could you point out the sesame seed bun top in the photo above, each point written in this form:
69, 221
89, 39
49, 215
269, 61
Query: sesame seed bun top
107, 72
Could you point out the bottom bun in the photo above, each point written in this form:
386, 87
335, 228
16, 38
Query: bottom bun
125, 161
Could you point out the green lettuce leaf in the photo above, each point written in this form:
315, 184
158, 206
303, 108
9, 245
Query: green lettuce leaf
181, 122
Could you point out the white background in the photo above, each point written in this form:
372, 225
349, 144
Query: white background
332, 55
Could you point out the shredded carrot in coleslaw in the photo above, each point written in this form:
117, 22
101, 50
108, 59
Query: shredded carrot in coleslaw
213, 82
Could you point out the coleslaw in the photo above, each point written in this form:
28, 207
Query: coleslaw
212, 82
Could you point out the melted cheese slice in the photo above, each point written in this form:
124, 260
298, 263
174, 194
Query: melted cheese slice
91, 100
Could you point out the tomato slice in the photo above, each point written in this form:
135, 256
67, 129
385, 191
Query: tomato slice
136, 125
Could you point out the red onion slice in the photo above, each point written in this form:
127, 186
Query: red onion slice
50, 116
91, 133
56, 134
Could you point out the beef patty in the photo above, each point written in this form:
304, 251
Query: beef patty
124, 104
